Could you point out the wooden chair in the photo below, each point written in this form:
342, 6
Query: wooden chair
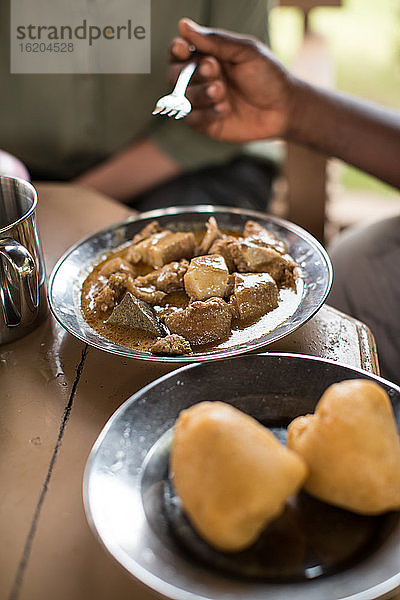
305, 170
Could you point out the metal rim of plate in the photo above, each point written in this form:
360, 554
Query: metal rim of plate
115, 494
73, 267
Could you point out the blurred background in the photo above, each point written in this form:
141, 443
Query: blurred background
349, 45
362, 38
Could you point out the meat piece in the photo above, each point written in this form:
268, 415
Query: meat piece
147, 293
170, 278
119, 282
254, 295
138, 252
213, 233
112, 292
104, 300
169, 309
162, 248
154, 286
146, 232
257, 232
172, 345
115, 265
145, 288
224, 248
133, 312
206, 277
230, 286
202, 322
253, 258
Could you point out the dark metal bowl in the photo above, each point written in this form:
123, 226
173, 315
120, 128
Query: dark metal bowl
74, 266
128, 467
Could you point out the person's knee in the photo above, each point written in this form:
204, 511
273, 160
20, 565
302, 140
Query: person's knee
346, 253
352, 254
361, 243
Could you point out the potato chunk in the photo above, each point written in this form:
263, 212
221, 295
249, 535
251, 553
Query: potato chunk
232, 474
206, 277
352, 447
254, 294
202, 322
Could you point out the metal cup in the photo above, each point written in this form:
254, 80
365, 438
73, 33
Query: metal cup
22, 273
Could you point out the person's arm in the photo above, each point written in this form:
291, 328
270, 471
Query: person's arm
246, 94
171, 147
132, 171
360, 133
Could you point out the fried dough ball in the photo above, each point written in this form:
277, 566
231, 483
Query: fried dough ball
352, 448
232, 474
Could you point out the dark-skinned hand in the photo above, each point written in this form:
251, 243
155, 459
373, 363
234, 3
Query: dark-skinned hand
240, 91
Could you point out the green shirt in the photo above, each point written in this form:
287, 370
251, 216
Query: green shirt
62, 125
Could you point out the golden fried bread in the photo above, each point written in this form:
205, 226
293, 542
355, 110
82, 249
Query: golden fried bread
352, 448
232, 474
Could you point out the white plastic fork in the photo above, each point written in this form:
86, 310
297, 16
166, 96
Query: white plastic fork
176, 104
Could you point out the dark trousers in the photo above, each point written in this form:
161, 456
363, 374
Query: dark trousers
366, 265
245, 182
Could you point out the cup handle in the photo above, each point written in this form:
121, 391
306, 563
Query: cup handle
19, 290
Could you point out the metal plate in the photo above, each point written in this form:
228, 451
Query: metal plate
123, 484
72, 269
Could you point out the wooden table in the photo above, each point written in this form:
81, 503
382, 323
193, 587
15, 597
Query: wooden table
56, 395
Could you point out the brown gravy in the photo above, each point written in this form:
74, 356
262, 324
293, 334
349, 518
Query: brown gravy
289, 299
